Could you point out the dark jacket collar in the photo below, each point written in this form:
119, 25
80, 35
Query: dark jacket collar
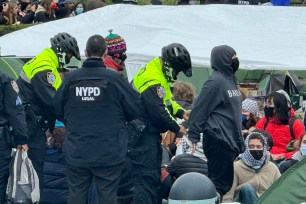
93, 62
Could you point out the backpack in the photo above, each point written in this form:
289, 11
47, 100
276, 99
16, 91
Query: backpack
23, 183
290, 146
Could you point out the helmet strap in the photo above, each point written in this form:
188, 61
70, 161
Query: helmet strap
169, 72
62, 57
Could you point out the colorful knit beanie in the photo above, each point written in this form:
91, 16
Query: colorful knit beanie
115, 44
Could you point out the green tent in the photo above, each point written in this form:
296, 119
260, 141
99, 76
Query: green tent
290, 188
263, 77
11, 66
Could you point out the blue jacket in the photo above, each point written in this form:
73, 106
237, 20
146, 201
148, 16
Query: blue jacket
55, 189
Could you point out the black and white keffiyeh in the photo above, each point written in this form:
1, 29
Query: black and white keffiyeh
248, 159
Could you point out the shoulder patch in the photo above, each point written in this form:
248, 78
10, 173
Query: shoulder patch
18, 101
161, 92
51, 78
15, 86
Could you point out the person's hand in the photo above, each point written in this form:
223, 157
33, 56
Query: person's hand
193, 148
4, 7
244, 131
178, 141
183, 129
24, 147
186, 114
296, 144
278, 156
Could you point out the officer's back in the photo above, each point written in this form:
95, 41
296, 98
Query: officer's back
95, 104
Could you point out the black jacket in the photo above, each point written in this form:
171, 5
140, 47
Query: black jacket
217, 111
28, 18
95, 104
55, 188
11, 110
42, 17
39, 94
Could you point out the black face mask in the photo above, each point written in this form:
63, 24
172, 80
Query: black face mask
122, 57
235, 64
257, 154
269, 111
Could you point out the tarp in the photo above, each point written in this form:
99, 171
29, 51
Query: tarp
11, 66
264, 37
289, 188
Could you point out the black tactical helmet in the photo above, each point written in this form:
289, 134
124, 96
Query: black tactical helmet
193, 187
178, 58
66, 43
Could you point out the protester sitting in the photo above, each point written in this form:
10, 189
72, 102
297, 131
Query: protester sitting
62, 12
278, 115
184, 162
69, 5
269, 139
9, 17
250, 115
184, 94
79, 9
44, 12
267, 135
27, 13
253, 172
55, 189
296, 157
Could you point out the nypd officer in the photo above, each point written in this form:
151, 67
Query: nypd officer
13, 128
153, 82
38, 82
95, 104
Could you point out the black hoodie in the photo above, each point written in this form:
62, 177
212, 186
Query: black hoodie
217, 111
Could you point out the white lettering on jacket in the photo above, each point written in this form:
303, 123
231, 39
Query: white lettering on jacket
234, 92
87, 93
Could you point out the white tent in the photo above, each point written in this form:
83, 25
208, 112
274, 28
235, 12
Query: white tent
264, 37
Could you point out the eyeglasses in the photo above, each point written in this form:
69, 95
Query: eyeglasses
251, 146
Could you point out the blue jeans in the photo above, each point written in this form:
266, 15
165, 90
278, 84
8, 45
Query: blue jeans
247, 194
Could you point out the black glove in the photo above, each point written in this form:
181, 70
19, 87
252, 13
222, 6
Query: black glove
136, 129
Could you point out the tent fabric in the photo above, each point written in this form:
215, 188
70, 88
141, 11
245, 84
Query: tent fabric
11, 66
289, 188
264, 37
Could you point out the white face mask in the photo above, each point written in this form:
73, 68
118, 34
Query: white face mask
79, 10
303, 149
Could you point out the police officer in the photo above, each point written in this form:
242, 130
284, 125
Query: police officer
153, 82
38, 82
95, 104
11, 115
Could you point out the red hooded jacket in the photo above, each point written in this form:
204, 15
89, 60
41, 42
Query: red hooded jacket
281, 134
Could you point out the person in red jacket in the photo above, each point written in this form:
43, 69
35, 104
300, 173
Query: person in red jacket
278, 113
